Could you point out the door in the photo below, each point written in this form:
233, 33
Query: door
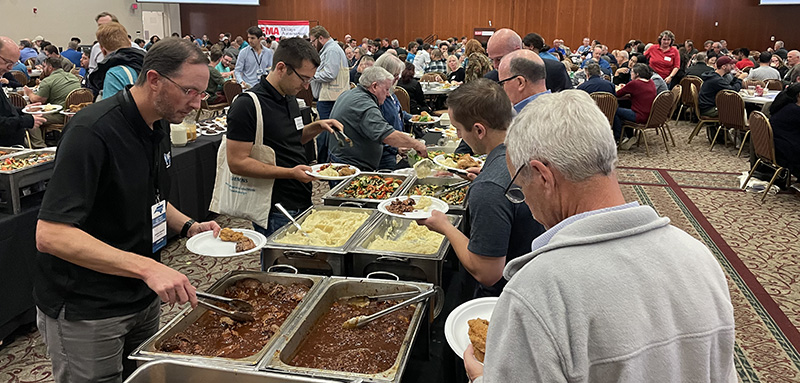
153, 24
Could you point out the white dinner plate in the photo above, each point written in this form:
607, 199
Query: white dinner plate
205, 244
456, 327
64, 112
55, 109
315, 172
436, 204
204, 132
432, 120
439, 160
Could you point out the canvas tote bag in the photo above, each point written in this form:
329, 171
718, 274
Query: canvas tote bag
239, 196
330, 91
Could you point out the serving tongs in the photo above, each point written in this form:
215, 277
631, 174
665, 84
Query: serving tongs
362, 320
239, 306
343, 139
455, 186
286, 213
363, 300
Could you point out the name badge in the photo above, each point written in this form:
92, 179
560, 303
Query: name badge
298, 123
259, 71
667, 58
158, 212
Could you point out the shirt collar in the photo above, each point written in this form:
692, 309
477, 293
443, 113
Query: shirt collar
520, 105
134, 117
545, 238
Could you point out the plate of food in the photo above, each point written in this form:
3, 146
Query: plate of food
42, 109
333, 172
457, 162
230, 243
423, 118
469, 323
412, 207
210, 130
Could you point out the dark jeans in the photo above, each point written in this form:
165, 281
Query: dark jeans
276, 221
623, 114
324, 109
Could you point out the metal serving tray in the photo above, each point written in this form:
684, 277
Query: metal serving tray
440, 181
168, 371
20, 183
408, 266
344, 287
331, 199
148, 350
313, 259
11, 151
25, 153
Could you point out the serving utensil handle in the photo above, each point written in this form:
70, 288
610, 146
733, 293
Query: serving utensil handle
370, 318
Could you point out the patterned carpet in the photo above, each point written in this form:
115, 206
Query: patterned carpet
755, 243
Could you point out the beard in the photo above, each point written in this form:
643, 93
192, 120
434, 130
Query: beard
167, 110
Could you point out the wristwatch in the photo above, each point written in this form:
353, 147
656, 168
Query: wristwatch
186, 227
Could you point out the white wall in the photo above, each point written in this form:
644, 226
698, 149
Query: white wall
58, 20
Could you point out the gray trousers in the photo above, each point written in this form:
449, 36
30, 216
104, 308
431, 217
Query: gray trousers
96, 350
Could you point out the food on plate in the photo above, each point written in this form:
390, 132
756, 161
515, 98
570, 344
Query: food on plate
41, 108
216, 335
453, 197
370, 349
371, 187
415, 239
244, 244
477, 336
460, 161
422, 117
26, 160
467, 162
229, 235
433, 153
400, 206
326, 228
330, 170
424, 203
78, 107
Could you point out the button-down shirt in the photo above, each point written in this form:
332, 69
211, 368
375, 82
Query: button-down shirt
331, 60
520, 105
250, 66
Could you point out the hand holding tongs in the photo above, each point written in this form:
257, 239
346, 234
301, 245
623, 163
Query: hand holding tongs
455, 186
238, 304
343, 139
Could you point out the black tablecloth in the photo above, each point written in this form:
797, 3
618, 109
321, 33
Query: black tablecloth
17, 251
192, 173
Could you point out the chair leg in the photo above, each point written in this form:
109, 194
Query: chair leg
696, 130
664, 138
670, 134
750, 175
772, 181
680, 110
742, 144
714, 140
646, 146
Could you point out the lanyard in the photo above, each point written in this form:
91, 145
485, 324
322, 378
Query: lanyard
258, 62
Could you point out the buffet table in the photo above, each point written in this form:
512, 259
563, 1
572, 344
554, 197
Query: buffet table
192, 174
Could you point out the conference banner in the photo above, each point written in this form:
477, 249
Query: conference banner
282, 28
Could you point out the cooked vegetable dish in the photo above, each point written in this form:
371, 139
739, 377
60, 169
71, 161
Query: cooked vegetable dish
453, 197
25, 160
371, 187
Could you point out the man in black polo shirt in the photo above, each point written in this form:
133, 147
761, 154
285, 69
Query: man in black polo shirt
104, 219
13, 123
498, 230
294, 65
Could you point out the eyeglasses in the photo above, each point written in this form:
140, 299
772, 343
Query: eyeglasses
188, 92
7, 62
306, 80
513, 192
501, 82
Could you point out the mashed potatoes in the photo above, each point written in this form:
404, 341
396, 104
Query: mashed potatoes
329, 172
326, 228
415, 239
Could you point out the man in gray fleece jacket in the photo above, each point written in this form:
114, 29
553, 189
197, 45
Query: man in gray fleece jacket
611, 292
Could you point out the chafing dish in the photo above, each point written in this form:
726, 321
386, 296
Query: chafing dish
332, 198
408, 266
149, 349
312, 259
167, 371
444, 182
338, 288
7, 151
20, 183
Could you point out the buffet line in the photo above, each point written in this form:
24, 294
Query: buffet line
23, 173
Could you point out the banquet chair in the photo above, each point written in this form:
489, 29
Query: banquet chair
746, 83
686, 94
31, 62
676, 98
77, 96
703, 120
764, 145
231, 88
773, 84
17, 100
607, 103
403, 97
731, 116
20, 77
659, 114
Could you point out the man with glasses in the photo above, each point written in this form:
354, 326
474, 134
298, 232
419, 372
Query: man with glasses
331, 80
13, 123
294, 66
253, 61
611, 292
505, 41
104, 220
498, 230
522, 75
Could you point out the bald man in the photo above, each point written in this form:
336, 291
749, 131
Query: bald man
522, 74
13, 123
505, 41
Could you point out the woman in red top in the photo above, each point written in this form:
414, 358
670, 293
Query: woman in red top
641, 92
664, 58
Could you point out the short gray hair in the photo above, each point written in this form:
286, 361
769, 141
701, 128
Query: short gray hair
374, 74
700, 57
568, 131
391, 63
593, 69
395, 43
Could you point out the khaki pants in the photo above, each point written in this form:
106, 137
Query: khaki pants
37, 138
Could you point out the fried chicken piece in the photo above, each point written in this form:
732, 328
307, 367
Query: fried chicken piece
244, 244
477, 335
229, 235
467, 162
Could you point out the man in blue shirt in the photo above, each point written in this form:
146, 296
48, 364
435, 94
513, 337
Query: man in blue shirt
26, 51
595, 81
253, 61
522, 76
557, 47
72, 54
605, 67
